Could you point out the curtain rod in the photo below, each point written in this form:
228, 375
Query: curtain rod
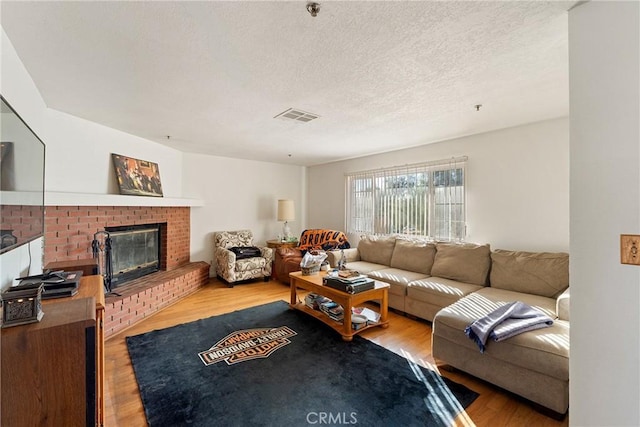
410, 165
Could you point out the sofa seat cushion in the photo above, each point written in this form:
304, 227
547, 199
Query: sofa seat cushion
364, 267
439, 291
249, 264
468, 263
543, 350
398, 279
413, 256
539, 273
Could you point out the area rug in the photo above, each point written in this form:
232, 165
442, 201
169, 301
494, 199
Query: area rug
272, 366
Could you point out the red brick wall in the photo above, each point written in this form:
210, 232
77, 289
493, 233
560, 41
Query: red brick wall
25, 221
69, 230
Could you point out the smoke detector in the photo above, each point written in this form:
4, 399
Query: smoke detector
313, 8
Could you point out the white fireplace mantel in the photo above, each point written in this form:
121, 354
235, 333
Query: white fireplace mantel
52, 198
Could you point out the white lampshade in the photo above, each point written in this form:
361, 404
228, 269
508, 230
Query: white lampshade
286, 213
286, 210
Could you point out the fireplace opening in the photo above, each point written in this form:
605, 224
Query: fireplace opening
135, 251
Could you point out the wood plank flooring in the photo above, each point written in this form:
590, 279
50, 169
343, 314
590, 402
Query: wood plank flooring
405, 336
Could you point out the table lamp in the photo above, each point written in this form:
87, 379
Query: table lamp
286, 213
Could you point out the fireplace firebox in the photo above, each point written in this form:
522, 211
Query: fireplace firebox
135, 251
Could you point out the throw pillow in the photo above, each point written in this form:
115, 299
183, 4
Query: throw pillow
467, 263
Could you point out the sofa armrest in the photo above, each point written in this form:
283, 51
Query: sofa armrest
225, 262
333, 257
286, 261
350, 255
267, 253
284, 253
225, 255
562, 305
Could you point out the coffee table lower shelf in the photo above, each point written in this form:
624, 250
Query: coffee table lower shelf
346, 300
336, 326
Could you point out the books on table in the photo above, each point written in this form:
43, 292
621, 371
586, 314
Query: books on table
336, 312
313, 301
347, 274
333, 310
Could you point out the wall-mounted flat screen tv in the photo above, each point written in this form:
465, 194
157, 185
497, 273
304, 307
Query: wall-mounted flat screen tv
22, 157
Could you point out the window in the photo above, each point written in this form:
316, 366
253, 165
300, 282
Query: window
426, 199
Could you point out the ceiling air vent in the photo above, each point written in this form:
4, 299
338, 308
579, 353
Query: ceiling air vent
297, 115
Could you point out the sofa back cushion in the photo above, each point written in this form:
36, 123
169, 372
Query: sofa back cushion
413, 256
468, 263
376, 249
539, 273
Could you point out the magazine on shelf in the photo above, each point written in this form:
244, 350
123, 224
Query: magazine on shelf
314, 300
372, 316
326, 306
333, 310
336, 313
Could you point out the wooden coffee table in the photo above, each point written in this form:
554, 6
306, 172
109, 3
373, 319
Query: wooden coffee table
347, 301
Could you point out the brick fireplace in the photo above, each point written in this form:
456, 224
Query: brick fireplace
69, 231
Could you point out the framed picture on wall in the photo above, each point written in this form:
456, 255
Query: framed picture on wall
137, 177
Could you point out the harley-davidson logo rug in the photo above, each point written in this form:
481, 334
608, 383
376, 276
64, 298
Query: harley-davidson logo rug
247, 344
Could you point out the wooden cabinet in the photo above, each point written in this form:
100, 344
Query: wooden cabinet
53, 370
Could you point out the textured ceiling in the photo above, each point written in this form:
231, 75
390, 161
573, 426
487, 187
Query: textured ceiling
212, 75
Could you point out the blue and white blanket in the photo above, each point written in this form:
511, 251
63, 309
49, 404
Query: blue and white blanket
506, 321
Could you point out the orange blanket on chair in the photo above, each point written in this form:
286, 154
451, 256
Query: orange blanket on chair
320, 238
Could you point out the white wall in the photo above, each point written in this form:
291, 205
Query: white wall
517, 185
604, 46
22, 261
70, 139
18, 89
239, 194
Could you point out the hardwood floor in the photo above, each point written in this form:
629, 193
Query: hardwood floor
405, 336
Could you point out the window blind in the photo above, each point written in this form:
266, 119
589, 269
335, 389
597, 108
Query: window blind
424, 199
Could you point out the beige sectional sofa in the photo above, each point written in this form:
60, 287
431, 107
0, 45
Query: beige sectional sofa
452, 285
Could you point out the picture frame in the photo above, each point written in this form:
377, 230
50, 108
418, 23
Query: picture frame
137, 177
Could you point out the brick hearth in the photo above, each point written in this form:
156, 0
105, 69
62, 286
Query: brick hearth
69, 232
146, 295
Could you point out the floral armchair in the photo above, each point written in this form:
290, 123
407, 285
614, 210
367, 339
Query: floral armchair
231, 267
